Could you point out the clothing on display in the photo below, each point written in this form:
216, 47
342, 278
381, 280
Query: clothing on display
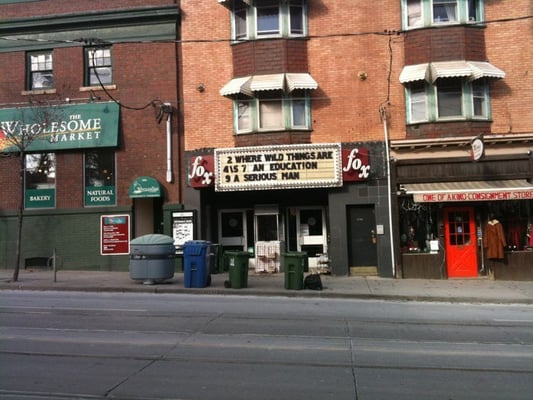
494, 240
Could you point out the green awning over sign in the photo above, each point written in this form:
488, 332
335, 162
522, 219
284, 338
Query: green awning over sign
145, 186
59, 127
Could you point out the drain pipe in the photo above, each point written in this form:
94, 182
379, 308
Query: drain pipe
168, 110
383, 112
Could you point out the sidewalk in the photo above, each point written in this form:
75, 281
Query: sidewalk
465, 290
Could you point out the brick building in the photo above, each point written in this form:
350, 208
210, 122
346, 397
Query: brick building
96, 82
285, 109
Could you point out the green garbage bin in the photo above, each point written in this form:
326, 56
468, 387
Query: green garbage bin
295, 264
238, 268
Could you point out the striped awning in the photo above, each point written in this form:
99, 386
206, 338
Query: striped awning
267, 82
515, 189
236, 86
430, 72
256, 83
413, 73
300, 81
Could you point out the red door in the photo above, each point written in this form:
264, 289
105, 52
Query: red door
460, 236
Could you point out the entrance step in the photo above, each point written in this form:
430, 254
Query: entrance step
363, 271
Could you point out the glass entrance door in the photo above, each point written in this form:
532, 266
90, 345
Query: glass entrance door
312, 234
232, 232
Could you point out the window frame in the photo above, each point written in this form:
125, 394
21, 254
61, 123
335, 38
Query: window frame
286, 109
463, 10
50, 187
89, 67
251, 19
30, 72
101, 178
468, 112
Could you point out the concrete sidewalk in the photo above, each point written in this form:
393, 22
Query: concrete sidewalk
453, 290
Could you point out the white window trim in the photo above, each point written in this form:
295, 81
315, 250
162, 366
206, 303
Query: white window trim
287, 116
284, 22
462, 15
467, 105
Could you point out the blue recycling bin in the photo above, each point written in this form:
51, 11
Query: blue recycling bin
196, 263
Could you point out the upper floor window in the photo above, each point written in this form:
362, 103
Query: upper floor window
269, 18
447, 99
40, 70
272, 112
423, 13
98, 66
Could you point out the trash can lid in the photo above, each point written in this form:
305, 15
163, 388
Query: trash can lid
154, 238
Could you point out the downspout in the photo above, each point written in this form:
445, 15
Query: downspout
168, 110
383, 112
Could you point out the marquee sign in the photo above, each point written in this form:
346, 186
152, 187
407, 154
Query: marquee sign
278, 167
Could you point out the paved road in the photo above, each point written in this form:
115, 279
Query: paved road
130, 346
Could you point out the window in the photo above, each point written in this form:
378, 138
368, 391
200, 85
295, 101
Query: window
479, 99
414, 13
98, 67
447, 99
423, 13
40, 180
269, 18
100, 178
40, 67
418, 106
240, 21
272, 113
444, 11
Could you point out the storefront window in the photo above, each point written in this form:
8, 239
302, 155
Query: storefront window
517, 221
418, 226
100, 178
40, 180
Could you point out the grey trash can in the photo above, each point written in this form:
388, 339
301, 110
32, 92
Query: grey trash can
152, 258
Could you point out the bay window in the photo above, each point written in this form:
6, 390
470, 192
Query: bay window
447, 99
423, 13
268, 113
269, 18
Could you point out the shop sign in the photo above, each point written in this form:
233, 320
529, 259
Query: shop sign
144, 186
493, 195
100, 196
201, 171
278, 167
477, 148
355, 164
114, 234
40, 198
51, 128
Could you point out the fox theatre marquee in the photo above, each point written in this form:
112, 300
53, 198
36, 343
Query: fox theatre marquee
279, 167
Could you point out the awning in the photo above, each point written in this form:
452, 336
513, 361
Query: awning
517, 189
300, 81
256, 83
430, 72
413, 73
236, 86
267, 82
228, 3
145, 186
